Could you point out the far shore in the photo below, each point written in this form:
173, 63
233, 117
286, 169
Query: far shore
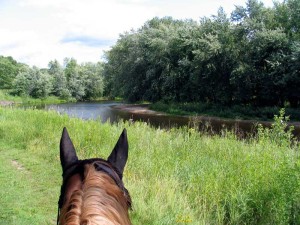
144, 109
138, 109
6, 103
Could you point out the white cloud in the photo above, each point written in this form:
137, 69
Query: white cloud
33, 31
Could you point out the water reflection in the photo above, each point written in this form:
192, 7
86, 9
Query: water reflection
87, 110
106, 111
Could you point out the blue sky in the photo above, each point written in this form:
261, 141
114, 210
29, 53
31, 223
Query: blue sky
88, 41
38, 31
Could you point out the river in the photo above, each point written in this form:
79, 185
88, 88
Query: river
114, 111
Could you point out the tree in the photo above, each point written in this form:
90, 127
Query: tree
21, 83
125, 79
287, 17
214, 59
75, 81
9, 69
41, 85
59, 80
291, 76
32, 82
250, 58
93, 74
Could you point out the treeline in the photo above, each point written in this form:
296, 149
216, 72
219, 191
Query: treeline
71, 80
251, 57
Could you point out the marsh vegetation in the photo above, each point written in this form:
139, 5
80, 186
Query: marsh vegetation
174, 176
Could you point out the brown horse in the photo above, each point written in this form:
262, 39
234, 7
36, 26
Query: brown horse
93, 192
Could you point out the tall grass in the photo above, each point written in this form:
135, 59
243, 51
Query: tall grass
177, 176
27, 100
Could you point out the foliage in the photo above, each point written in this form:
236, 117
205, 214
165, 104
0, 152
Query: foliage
40, 86
249, 58
279, 133
74, 79
59, 80
173, 176
93, 74
80, 82
21, 84
9, 69
32, 82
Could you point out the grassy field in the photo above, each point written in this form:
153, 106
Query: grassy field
178, 176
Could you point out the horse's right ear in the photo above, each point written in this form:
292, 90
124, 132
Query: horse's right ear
118, 156
67, 151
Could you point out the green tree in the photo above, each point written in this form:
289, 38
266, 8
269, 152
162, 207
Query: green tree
125, 79
250, 58
59, 80
291, 77
21, 83
260, 47
41, 85
287, 17
75, 82
93, 75
214, 59
32, 82
9, 69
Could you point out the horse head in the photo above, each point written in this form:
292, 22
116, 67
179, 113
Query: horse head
92, 192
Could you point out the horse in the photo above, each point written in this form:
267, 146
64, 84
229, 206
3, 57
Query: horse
92, 191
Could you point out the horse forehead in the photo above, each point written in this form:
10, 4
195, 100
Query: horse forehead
91, 161
74, 183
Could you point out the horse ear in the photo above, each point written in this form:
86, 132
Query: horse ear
67, 151
119, 154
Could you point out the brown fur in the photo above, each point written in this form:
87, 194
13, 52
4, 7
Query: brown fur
95, 201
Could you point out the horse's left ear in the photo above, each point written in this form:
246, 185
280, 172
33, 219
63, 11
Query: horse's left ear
119, 154
67, 151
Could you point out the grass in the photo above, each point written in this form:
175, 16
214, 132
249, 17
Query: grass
26, 100
235, 111
177, 176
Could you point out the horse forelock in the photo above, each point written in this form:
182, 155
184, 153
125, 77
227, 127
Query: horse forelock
98, 200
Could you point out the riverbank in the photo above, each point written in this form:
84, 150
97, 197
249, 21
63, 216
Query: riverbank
147, 109
9, 100
186, 175
6, 103
167, 119
213, 124
137, 109
238, 112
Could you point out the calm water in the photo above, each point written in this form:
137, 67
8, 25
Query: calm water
105, 112
87, 110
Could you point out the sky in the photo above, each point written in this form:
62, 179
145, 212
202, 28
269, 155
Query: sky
38, 31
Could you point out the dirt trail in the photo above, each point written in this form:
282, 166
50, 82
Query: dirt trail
18, 165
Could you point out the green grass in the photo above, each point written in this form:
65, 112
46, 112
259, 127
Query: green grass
232, 112
26, 100
176, 176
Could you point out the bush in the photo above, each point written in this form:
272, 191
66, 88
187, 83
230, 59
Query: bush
279, 133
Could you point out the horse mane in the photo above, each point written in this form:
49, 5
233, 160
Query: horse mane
99, 201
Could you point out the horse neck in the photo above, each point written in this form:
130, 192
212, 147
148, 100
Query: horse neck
100, 201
